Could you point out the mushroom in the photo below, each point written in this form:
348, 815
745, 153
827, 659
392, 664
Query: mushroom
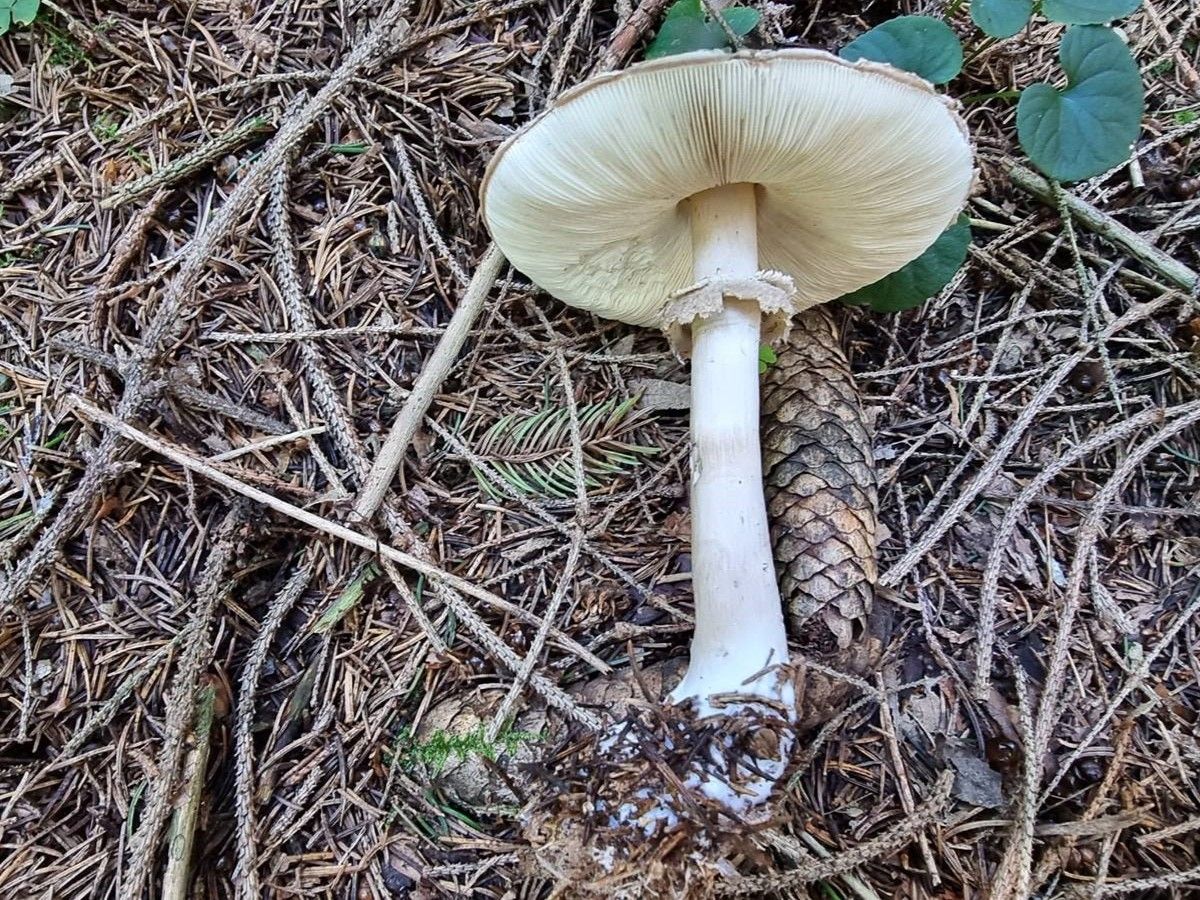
714, 195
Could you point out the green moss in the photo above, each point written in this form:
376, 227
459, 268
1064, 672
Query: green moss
441, 748
64, 51
106, 129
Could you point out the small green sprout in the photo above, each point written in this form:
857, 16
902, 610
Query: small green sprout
64, 52
106, 129
766, 358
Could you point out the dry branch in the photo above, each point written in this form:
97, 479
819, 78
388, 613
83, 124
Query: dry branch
246, 871
876, 848
181, 706
553, 695
1108, 228
188, 164
168, 318
181, 837
894, 575
437, 367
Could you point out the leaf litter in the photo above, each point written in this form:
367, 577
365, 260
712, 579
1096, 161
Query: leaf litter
162, 590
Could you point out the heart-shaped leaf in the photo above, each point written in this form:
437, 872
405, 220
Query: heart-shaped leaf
1088, 12
1001, 18
741, 19
1089, 127
766, 357
687, 27
917, 44
920, 279
20, 11
23, 11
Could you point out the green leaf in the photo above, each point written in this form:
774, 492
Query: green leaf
1089, 127
766, 357
686, 9
741, 19
917, 44
1088, 12
1001, 18
920, 279
23, 11
687, 28
347, 599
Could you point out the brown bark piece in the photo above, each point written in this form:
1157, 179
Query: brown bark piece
820, 482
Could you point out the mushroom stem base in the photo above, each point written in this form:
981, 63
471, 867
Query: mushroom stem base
739, 621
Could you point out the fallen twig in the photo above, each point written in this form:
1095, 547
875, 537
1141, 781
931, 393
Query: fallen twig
847, 860
1012, 516
621, 45
934, 533
906, 795
789, 846
1049, 708
1108, 228
438, 366
288, 337
246, 871
188, 164
181, 836
181, 705
86, 33
33, 172
470, 619
177, 385
341, 427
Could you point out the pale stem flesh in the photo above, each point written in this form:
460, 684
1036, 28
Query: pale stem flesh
739, 629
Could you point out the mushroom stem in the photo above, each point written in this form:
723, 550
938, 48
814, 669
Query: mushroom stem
739, 622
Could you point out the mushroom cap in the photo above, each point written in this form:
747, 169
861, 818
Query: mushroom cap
858, 167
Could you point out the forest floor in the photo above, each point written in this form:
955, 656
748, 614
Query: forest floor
231, 235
